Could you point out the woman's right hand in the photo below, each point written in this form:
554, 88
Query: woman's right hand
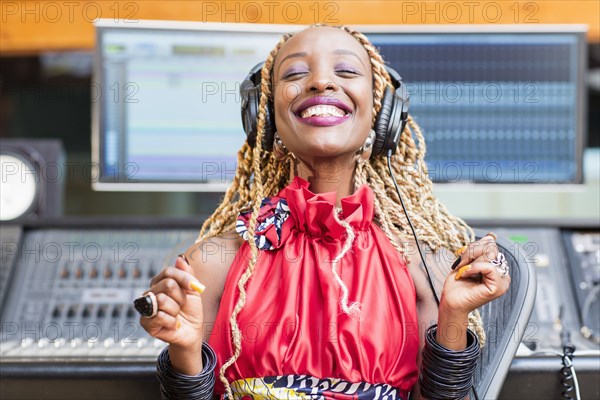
180, 317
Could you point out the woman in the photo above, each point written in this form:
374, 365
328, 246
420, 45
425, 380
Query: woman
321, 291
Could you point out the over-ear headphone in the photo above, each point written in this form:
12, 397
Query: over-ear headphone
389, 124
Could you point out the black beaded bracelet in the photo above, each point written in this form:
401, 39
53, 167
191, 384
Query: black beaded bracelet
176, 386
447, 374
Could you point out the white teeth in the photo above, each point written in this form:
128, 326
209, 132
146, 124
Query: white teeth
323, 111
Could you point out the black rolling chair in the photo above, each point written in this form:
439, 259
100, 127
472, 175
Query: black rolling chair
505, 321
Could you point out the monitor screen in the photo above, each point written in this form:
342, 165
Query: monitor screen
495, 107
499, 106
168, 103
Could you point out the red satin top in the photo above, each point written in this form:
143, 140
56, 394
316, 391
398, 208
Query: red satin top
292, 322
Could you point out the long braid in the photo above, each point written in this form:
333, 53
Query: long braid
257, 193
433, 223
380, 76
348, 307
409, 163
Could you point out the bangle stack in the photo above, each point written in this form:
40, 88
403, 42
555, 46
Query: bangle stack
447, 374
175, 386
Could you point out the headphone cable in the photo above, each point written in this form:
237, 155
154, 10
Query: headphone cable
412, 228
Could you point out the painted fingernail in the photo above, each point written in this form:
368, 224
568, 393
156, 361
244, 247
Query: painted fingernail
462, 270
197, 286
458, 260
460, 251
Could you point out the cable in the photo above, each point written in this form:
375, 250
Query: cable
568, 379
412, 228
570, 368
389, 163
568, 374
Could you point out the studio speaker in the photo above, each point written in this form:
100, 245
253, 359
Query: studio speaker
32, 181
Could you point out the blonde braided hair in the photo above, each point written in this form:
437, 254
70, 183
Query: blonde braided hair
260, 174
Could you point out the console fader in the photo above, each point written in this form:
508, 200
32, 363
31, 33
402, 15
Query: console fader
70, 292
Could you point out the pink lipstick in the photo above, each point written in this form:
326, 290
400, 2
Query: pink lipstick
323, 111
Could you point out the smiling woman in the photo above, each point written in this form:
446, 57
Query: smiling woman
317, 290
321, 111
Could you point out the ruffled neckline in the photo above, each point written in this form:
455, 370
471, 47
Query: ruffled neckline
297, 208
313, 213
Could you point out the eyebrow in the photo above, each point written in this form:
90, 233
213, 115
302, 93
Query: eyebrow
342, 51
300, 54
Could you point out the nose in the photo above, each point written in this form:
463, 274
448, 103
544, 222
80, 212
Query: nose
323, 83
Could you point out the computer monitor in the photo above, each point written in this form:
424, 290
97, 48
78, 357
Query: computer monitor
497, 104
166, 103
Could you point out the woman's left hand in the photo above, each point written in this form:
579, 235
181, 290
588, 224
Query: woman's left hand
475, 280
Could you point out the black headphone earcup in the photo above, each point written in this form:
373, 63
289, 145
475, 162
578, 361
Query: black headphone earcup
382, 123
250, 93
392, 117
249, 112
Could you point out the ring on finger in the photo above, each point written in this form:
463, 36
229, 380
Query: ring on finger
146, 305
501, 264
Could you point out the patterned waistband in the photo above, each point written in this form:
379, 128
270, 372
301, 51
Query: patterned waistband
308, 387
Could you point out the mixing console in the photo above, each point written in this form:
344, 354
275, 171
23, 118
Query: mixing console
75, 292
69, 329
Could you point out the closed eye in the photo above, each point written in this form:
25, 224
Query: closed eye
292, 74
348, 71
